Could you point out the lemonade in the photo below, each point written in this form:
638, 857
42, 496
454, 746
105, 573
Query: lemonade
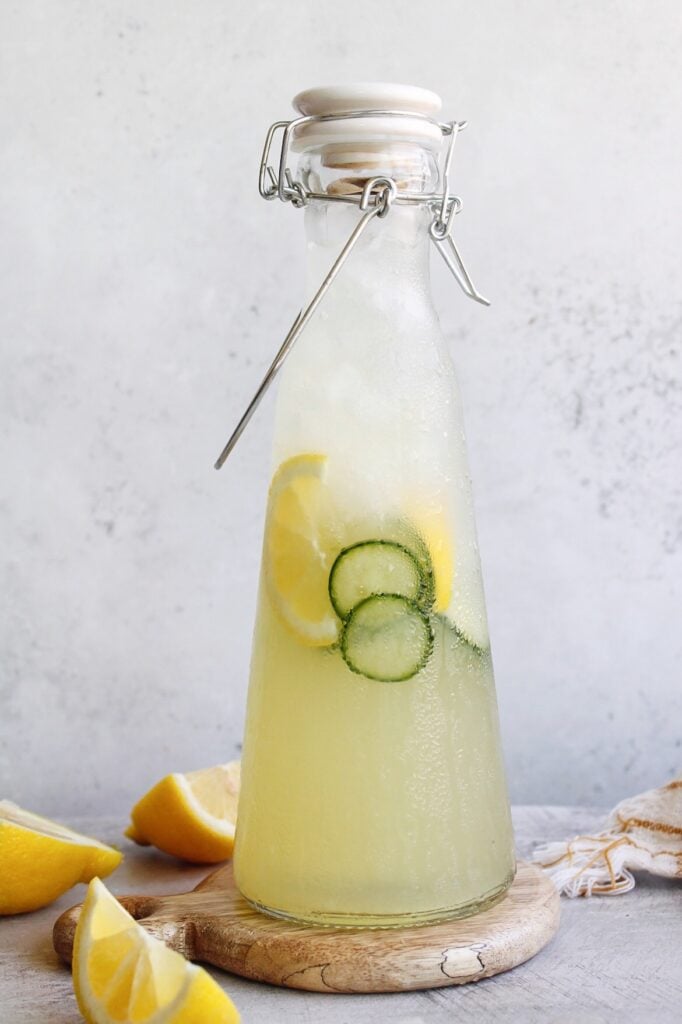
368, 802
373, 788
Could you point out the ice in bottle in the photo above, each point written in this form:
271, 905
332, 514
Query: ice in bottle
373, 783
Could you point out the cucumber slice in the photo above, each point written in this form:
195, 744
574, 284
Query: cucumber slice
467, 614
459, 637
393, 530
387, 638
374, 567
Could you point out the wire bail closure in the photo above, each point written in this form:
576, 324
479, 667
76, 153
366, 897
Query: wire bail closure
376, 199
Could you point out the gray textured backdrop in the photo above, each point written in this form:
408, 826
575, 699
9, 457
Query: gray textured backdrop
144, 285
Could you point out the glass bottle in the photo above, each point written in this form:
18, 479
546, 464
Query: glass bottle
373, 789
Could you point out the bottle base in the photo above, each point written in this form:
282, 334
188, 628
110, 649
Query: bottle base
332, 919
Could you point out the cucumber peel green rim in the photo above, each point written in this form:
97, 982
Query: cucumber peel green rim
419, 589
461, 635
372, 632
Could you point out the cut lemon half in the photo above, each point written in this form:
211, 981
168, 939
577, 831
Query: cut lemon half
299, 549
192, 815
40, 860
122, 975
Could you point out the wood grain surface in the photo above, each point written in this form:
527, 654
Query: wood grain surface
214, 924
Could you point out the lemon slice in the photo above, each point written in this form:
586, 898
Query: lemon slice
40, 860
458, 590
192, 815
434, 531
299, 549
122, 975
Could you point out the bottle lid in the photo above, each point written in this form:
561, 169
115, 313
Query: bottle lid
361, 97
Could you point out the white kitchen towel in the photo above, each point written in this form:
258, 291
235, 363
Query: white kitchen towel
643, 833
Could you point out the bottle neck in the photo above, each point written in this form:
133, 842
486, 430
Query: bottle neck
344, 169
388, 268
391, 255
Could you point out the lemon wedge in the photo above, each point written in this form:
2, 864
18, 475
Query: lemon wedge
122, 975
299, 549
192, 815
40, 860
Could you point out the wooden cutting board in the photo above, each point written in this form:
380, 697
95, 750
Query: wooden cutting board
214, 924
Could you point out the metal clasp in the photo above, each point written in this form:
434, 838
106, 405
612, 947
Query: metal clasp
376, 199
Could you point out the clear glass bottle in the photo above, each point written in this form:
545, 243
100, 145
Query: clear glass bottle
373, 789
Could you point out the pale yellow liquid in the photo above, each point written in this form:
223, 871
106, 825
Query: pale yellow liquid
369, 802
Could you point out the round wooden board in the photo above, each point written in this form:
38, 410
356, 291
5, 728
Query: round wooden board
215, 925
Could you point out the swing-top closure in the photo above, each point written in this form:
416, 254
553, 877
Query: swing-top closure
374, 197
